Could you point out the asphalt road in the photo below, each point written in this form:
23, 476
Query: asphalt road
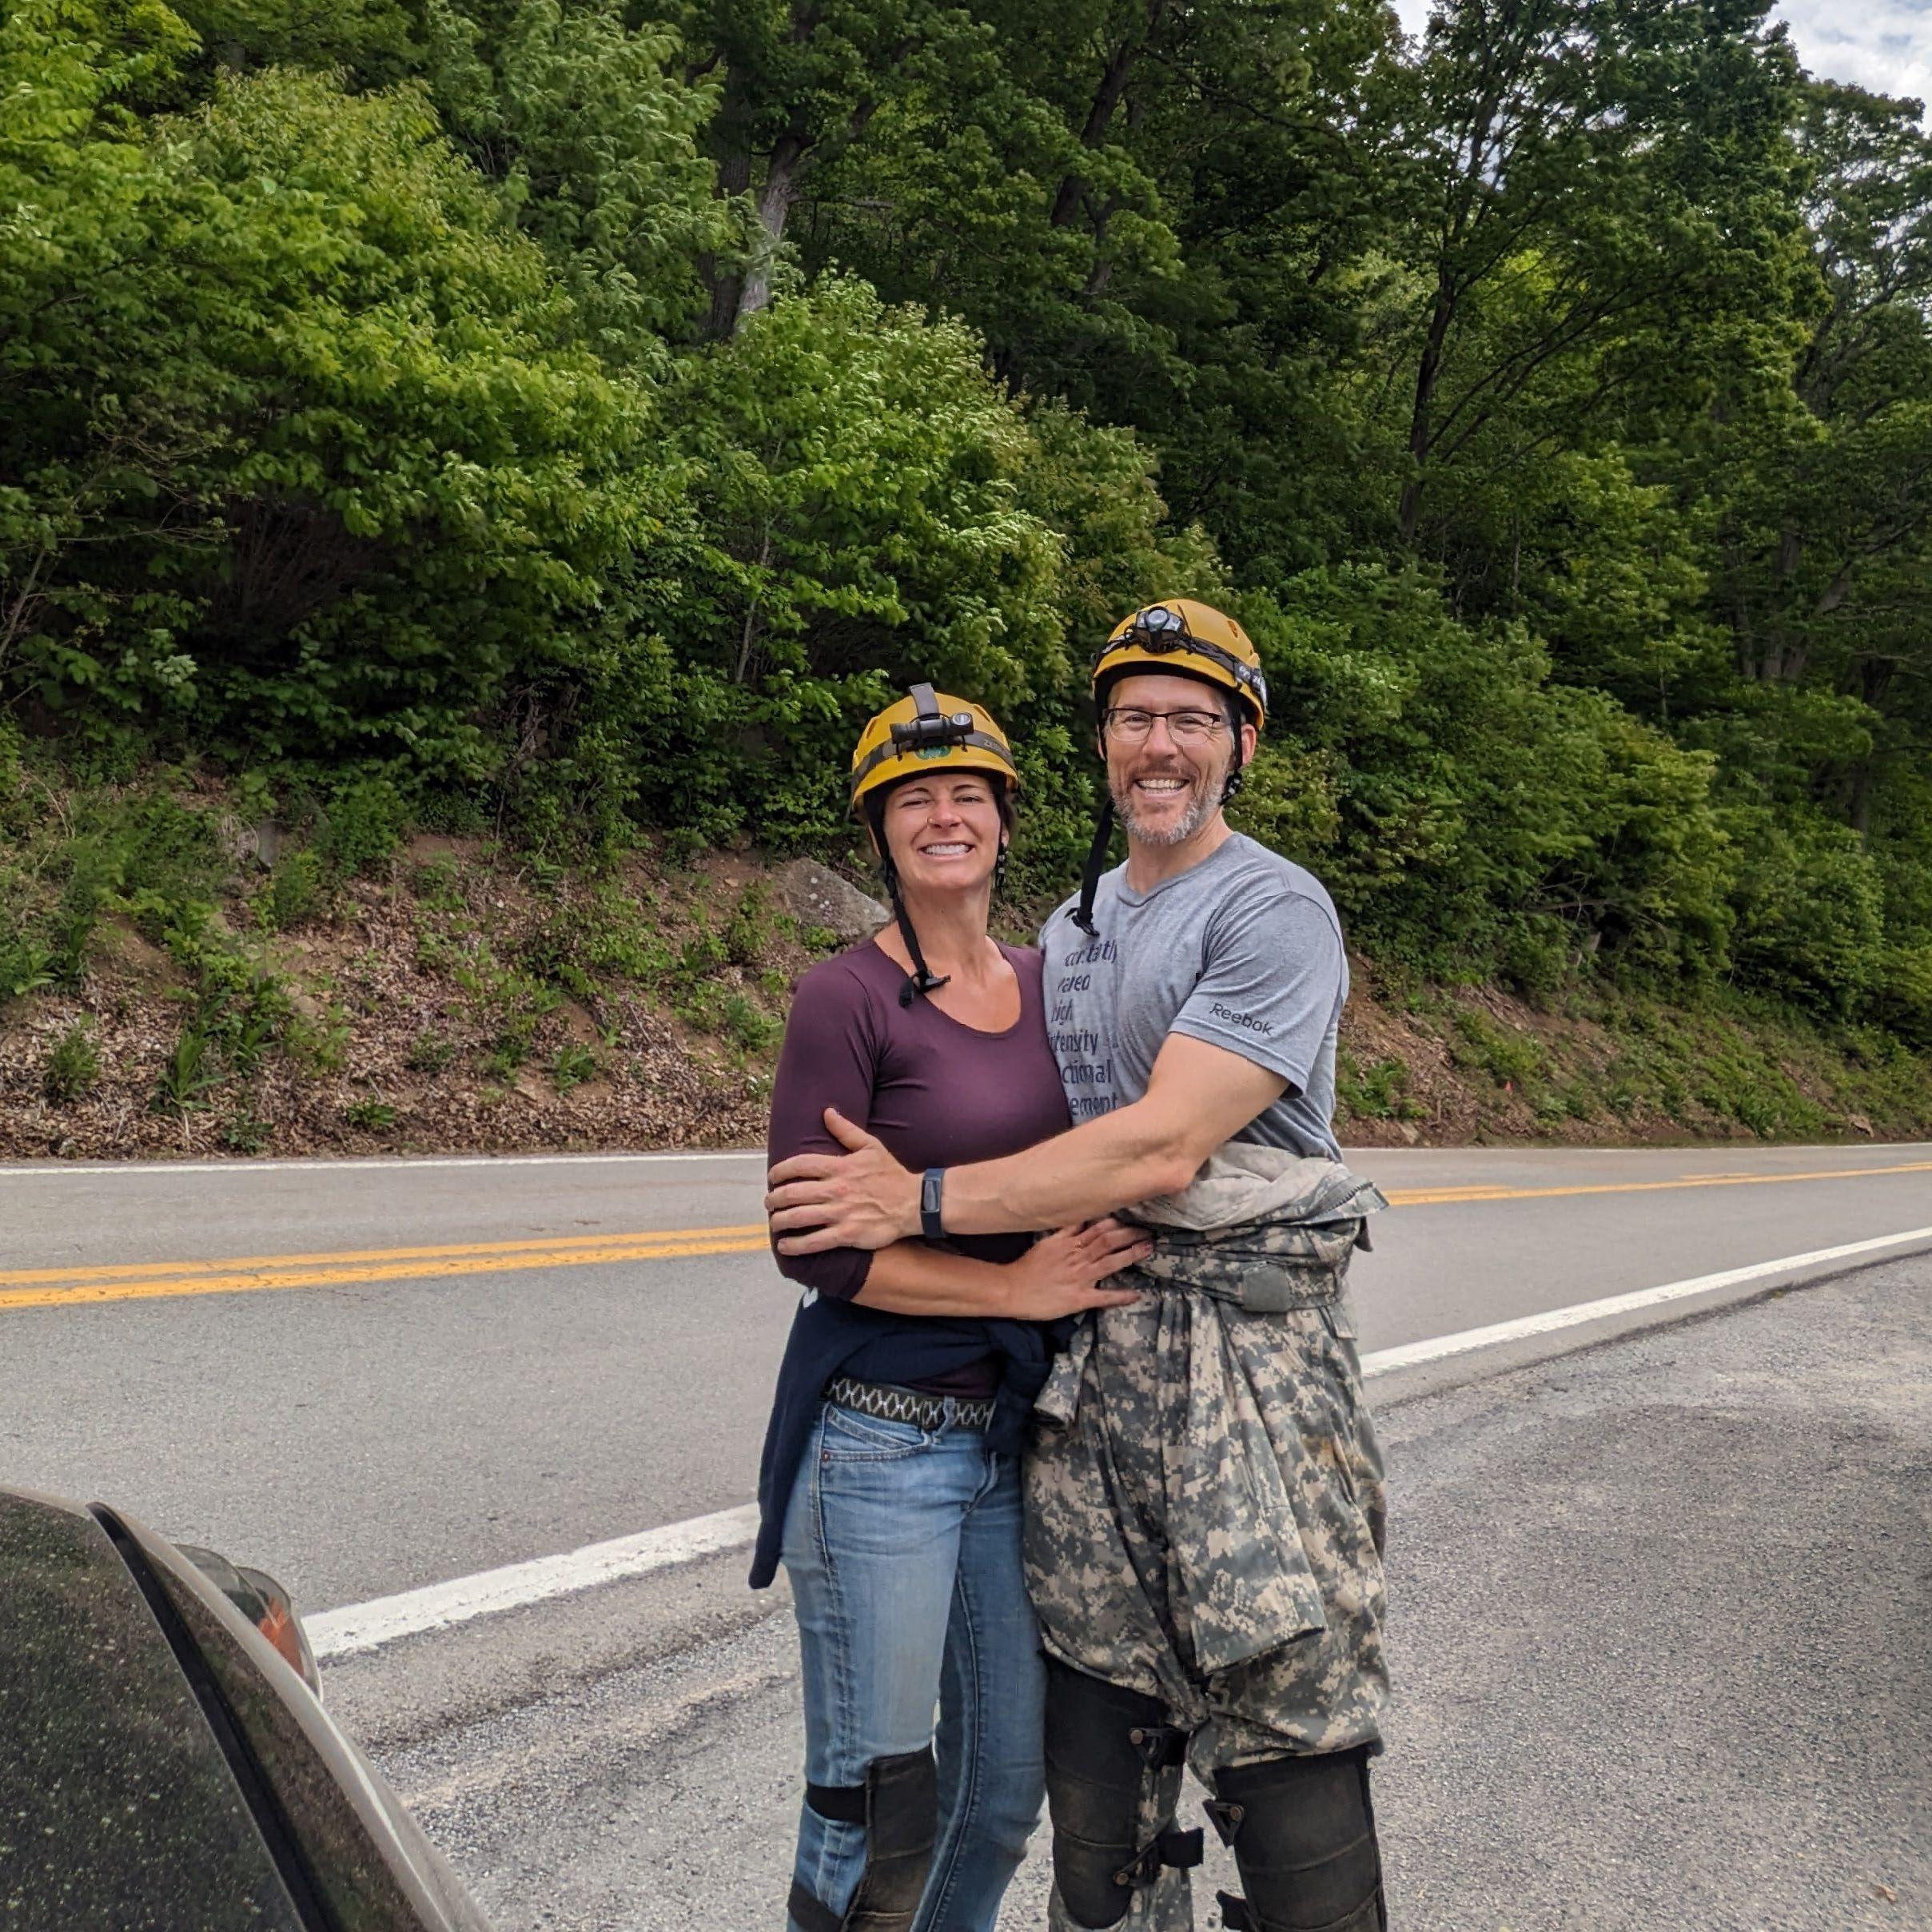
363, 1435
1659, 1617
1662, 1604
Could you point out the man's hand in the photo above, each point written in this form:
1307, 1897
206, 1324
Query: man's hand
862, 1198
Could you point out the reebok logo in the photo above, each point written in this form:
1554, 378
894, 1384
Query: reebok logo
1248, 1020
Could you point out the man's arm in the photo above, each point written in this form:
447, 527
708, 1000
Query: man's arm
1198, 1096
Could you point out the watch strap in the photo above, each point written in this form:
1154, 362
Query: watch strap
931, 1189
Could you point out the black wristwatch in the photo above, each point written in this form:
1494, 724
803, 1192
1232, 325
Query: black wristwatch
930, 1190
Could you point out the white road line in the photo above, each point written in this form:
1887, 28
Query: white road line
363, 1627
1410, 1354
399, 1162
323, 1163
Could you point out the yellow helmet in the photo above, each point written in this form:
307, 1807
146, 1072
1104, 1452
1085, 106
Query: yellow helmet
926, 732
1179, 636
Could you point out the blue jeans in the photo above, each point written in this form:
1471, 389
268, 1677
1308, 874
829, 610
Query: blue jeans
903, 1548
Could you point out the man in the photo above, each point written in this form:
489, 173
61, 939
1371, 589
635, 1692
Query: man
1205, 1493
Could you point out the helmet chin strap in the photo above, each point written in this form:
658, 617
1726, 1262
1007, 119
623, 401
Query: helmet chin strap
1097, 861
921, 979
1237, 766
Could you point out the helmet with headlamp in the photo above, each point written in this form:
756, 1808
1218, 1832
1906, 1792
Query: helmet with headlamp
1177, 637
925, 734
1181, 638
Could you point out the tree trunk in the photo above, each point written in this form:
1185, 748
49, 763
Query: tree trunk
1428, 373
775, 200
731, 142
1100, 115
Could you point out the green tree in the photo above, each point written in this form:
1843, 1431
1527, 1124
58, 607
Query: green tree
301, 453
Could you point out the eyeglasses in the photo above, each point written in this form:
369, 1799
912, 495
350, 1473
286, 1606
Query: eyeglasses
1131, 726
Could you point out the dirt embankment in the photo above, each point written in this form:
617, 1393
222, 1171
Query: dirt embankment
455, 998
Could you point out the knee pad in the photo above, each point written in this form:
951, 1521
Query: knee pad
898, 1805
1104, 1743
1303, 1834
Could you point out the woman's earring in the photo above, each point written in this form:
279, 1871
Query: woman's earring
999, 869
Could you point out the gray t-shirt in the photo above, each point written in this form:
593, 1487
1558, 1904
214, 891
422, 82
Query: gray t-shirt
1243, 950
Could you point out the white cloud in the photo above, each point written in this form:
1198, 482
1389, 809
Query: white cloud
1884, 45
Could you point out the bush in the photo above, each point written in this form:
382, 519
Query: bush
362, 825
1460, 806
73, 1066
297, 889
748, 930
1810, 908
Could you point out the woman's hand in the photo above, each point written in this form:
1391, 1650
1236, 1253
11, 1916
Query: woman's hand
1063, 1274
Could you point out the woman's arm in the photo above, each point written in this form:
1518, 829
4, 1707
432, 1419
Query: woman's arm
831, 1046
1060, 1274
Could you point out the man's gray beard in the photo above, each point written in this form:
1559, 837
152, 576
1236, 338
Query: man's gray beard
1200, 808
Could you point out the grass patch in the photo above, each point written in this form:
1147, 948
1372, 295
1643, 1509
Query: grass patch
1510, 1059
73, 1064
1378, 1092
299, 889
575, 1063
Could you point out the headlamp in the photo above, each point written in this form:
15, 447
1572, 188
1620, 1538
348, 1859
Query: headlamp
934, 731
1158, 631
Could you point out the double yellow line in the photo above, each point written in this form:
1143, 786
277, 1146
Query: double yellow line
141, 1280
1441, 1197
353, 1267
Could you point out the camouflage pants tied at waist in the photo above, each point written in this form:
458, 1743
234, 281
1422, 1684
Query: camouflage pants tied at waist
1204, 1523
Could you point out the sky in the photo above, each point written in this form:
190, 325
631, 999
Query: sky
1884, 45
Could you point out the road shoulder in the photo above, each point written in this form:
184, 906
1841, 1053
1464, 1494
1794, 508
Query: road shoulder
1660, 1616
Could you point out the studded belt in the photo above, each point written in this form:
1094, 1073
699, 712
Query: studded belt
892, 1404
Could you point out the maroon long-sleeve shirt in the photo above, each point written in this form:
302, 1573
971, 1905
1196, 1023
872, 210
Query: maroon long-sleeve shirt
936, 1092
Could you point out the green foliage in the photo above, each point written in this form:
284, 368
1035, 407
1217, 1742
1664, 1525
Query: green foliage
856, 474
575, 1063
188, 1074
1474, 813
748, 930
562, 419
73, 1065
436, 470
1510, 1058
1380, 1091
370, 1115
1811, 921
297, 889
746, 1027
594, 140
361, 826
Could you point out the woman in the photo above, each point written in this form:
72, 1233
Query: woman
890, 1488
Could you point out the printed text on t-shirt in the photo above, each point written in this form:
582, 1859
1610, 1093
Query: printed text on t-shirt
1252, 1022
1086, 1069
